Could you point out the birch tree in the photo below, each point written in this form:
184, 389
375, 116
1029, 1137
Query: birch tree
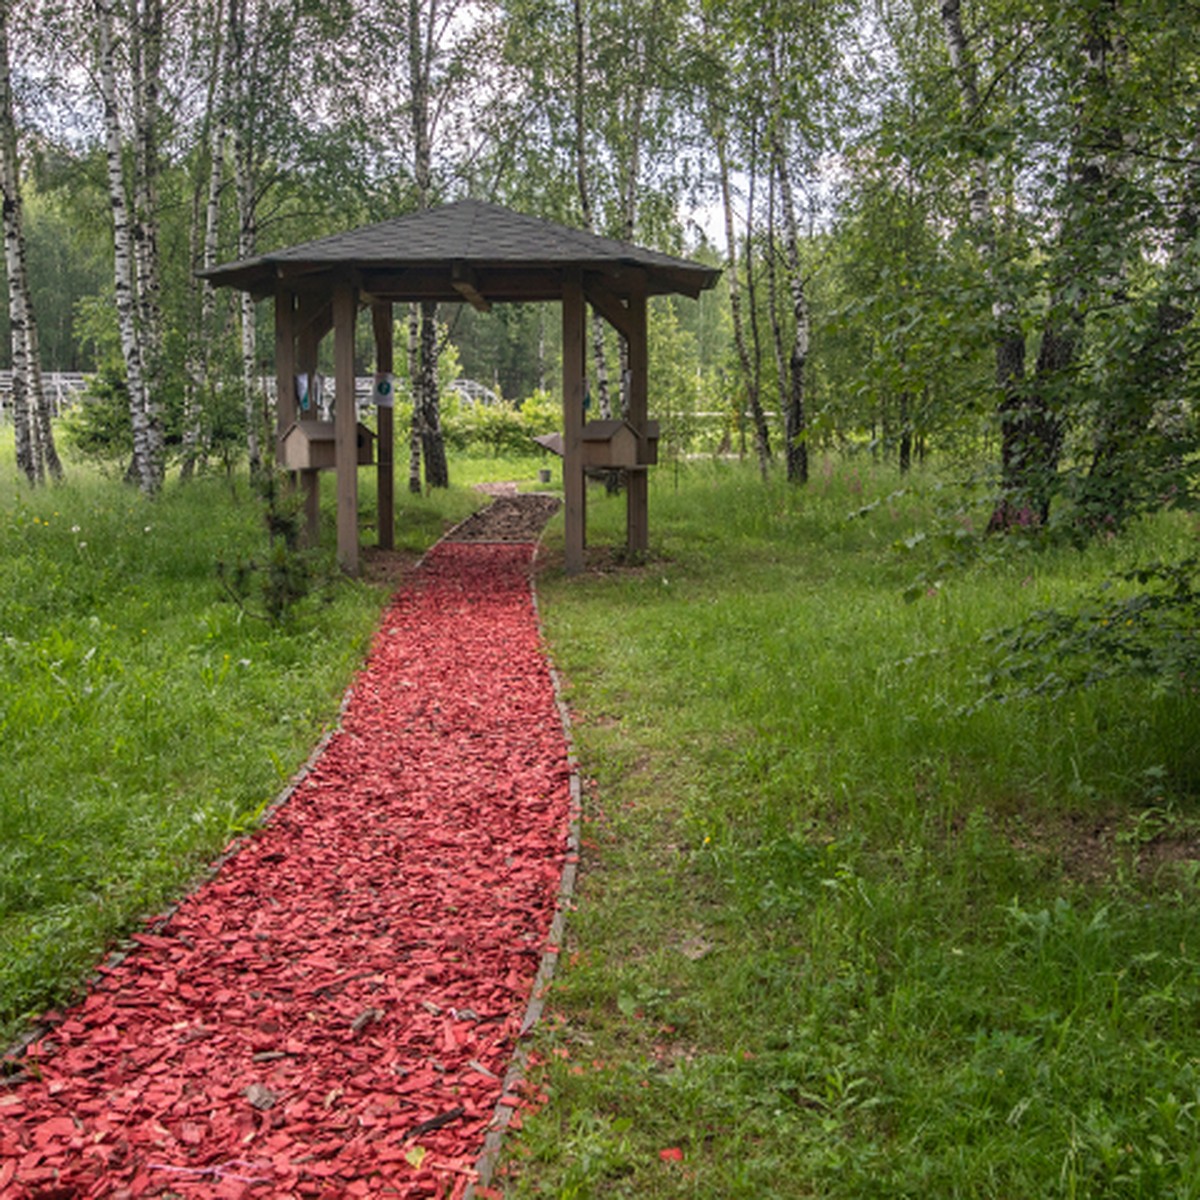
205, 233
147, 466
792, 381
716, 113
34, 434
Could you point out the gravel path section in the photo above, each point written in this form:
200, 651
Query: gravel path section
335, 1011
509, 518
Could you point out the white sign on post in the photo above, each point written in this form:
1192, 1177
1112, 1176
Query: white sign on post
385, 391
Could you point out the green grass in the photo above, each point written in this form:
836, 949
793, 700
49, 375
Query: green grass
144, 718
834, 938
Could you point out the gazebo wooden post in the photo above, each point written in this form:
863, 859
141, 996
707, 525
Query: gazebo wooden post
381, 319
637, 489
285, 363
574, 344
345, 425
308, 347
292, 359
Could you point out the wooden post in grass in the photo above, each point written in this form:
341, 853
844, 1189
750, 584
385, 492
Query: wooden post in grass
381, 319
345, 425
637, 487
574, 345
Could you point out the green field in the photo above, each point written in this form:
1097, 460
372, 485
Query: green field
839, 931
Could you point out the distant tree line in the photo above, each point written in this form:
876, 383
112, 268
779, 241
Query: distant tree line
966, 227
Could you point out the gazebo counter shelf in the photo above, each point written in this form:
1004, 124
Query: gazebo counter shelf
312, 446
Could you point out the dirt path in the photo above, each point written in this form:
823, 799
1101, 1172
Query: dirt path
334, 1012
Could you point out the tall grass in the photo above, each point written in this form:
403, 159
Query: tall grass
145, 717
836, 935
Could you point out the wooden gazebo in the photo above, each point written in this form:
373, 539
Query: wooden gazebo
483, 254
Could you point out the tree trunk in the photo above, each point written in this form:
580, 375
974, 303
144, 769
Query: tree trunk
599, 352
148, 34
761, 433
247, 239
199, 382
433, 447
34, 434
762, 440
417, 424
1017, 421
144, 468
795, 425
427, 426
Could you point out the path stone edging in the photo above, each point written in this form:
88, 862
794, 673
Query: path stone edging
485, 1165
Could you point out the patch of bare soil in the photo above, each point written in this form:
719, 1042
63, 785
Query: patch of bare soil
511, 517
388, 568
1089, 848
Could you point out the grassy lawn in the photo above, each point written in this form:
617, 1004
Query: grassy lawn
144, 717
834, 937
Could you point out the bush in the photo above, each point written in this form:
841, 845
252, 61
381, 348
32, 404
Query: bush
500, 429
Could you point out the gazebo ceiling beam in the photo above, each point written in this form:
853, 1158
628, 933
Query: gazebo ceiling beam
494, 285
314, 314
608, 305
465, 281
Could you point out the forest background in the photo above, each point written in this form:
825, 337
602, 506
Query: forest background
965, 230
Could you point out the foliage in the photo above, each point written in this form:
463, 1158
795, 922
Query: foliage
501, 429
1150, 633
98, 428
287, 574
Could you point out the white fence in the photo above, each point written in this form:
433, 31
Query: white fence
65, 388
62, 387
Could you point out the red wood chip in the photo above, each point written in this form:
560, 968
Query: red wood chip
413, 878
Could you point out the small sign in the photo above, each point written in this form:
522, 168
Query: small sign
385, 391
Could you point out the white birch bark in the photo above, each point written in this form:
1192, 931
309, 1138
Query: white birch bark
124, 267
246, 188
582, 182
199, 375
426, 25
795, 422
18, 296
35, 449
416, 426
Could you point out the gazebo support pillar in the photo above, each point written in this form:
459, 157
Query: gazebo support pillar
381, 320
574, 348
285, 363
345, 426
637, 510
310, 328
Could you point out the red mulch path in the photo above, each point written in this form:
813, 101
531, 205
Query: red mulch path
332, 1013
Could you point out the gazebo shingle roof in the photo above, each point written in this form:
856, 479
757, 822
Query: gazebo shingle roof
427, 255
